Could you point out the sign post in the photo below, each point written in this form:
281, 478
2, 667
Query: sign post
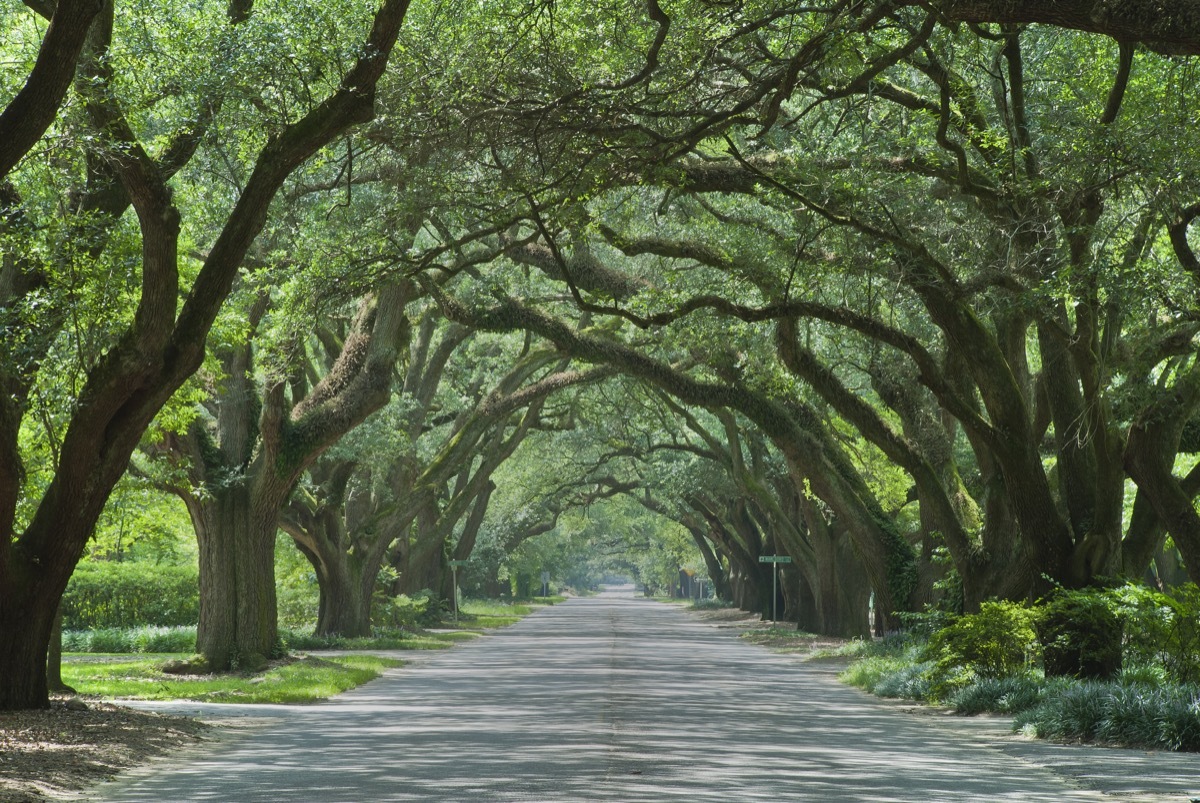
454, 564
773, 559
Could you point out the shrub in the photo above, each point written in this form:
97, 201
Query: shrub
1179, 723
924, 624
868, 672
1162, 628
404, 611
164, 639
381, 639
1145, 674
110, 640
120, 595
711, 603
1080, 634
1129, 716
997, 642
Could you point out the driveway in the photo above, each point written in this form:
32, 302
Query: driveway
614, 698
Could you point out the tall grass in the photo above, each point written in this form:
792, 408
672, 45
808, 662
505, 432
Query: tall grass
131, 640
1136, 715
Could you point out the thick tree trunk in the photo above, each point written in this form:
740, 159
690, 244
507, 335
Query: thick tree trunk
345, 608
236, 535
425, 561
716, 572
26, 622
345, 576
853, 593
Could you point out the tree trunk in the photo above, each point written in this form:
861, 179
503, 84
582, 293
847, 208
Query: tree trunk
345, 599
54, 681
1151, 469
26, 622
236, 535
160, 349
716, 572
425, 562
853, 593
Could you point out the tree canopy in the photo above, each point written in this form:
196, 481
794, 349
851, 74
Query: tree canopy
903, 290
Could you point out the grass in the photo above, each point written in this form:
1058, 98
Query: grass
1134, 715
100, 662
867, 673
305, 680
162, 640
382, 640
489, 613
146, 639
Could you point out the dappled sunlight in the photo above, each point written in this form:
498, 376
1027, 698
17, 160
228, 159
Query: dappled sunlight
614, 698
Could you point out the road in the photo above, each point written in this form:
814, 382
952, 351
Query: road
613, 698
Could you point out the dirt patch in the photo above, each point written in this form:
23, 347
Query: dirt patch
776, 637
727, 617
792, 641
52, 753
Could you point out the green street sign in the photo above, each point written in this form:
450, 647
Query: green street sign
774, 559
464, 563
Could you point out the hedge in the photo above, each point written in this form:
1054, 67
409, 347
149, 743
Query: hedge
122, 595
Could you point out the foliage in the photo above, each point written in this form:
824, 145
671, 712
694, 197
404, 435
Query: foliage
1007, 695
911, 682
1111, 713
1081, 634
131, 640
108, 595
870, 672
402, 611
381, 639
922, 625
305, 680
141, 523
999, 641
983, 663
297, 595
1161, 628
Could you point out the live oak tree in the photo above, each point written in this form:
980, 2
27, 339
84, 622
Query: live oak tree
798, 434
956, 215
412, 488
256, 437
158, 346
1041, 226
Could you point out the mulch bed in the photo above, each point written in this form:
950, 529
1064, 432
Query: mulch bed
51, 753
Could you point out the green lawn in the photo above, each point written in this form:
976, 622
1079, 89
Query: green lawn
305, 680
487, 613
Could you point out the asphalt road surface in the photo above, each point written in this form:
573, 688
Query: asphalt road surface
613, 698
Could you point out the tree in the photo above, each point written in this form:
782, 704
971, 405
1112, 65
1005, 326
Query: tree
799, 436
32, 110
151, 356
243, 457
